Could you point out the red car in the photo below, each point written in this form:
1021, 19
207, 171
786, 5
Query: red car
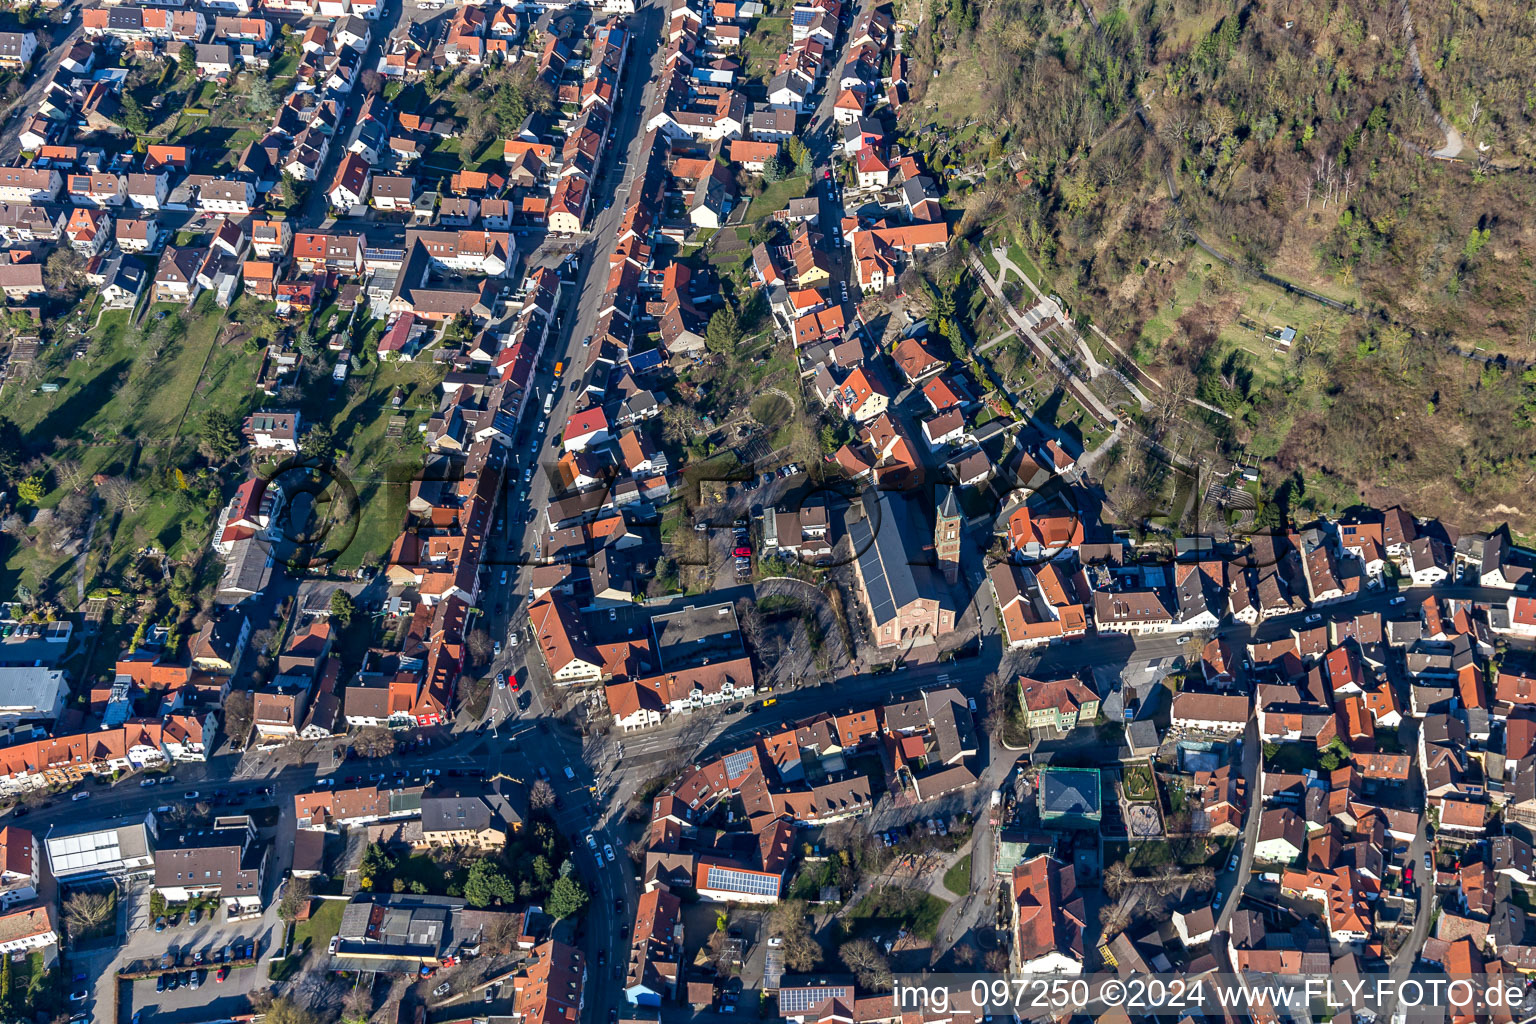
1408, 873
223, 973
514, 685
743, 552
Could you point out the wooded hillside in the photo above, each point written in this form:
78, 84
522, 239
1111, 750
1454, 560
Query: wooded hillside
1298, 142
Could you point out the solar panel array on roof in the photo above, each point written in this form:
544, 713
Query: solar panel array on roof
800, 1000
750, 882
737, 764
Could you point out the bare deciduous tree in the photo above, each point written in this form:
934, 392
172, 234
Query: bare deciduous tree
238, 713
868, 965
123, 495
374, 741
85, 911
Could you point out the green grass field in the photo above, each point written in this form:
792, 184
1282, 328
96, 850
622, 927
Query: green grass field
776, 197
887, 909
135, 404
958, 878
316, 932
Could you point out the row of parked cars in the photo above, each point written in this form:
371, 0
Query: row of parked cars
742, 551
193, 979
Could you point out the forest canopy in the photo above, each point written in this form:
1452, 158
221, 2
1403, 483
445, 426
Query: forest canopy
1377, 156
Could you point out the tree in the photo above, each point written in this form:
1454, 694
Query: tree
374, 741
87, 911
541, 795
357, 1004
64, 271
186, 61
132, 116
995, 698
291, 191
219, 437
566, 898
871, 969
787, 921
724, 332
308, 347
319, 443
488, 885
1114, 917
284, 1010
259, 98
123, 495
295, 898
12, 448
32, 488
376, 862
1116, 877
238, 711
342, 607
480, 649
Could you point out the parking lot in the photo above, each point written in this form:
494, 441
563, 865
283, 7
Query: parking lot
211, 1000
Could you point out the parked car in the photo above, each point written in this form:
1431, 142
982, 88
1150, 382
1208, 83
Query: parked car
160, 923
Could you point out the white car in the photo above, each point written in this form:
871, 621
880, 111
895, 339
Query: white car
496, 647
608, 852
591, 843
146, 782
81, 796
512, 639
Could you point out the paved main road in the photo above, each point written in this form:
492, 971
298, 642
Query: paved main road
63, 39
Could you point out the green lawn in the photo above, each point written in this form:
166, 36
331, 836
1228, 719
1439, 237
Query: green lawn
769, 37
117, 409
958, 878
1021, 260
776, 197
316, 933
887, 909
